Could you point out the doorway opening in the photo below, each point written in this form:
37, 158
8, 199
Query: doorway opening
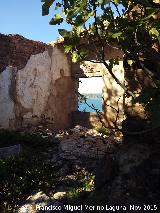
90, 98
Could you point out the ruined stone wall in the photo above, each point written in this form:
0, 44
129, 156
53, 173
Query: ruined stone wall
39, 85
86, 119
112, 94
15, 50
35, 84
113, 97
91, 69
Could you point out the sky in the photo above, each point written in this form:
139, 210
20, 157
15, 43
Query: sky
24, 17
90, 85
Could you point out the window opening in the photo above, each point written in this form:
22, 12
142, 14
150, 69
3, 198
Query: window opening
90, 94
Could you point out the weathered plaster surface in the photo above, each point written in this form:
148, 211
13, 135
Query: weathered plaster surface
6, 103
45, 88
39, 83
42, 91
112, 93
63, 98
33, 82
113, 96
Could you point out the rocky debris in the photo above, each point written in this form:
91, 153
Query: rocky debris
43, 130
132, 156
40, 202
59, 195
64, 170
103, 172
137, 179
80, 148
55, 159
16, 50
80, 142
72, 149
121, 174
10, 151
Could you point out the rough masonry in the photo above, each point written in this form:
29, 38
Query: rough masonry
35, 84
39, 85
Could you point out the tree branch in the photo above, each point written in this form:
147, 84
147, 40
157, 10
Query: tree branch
126, 90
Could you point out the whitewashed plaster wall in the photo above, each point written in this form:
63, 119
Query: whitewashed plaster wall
6, 103
45, 90
42, 90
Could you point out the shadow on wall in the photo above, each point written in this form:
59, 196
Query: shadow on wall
53, 97
113, 99
86, 119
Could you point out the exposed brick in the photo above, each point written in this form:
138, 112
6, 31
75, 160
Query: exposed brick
15, 50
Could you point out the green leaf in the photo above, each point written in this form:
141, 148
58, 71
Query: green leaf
116, 1
148, 16
84, 53
68, 48
74, 57
64, 33
116, 35
130, 62
154, 31
100, 1
74, 12
46, 6
56, 20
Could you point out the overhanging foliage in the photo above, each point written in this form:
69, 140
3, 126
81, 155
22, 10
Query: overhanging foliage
131, 25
